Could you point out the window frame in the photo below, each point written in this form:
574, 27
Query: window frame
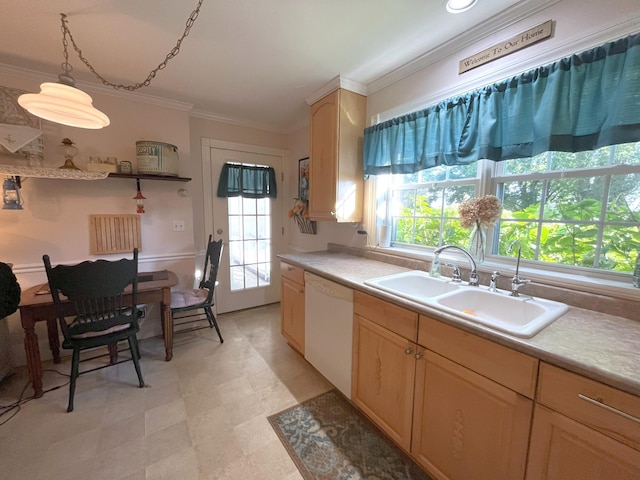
489, 175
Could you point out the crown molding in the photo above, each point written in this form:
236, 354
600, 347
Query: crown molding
236, 121
100, 89
334, 84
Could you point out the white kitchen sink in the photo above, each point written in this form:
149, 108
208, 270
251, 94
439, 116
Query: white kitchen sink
413, 285
519, 316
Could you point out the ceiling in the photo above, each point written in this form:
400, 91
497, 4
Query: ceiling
247, 61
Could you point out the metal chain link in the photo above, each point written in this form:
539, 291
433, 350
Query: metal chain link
174, 51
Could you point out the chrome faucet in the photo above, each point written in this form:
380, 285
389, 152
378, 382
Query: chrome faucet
494, 280
473, 274
516, 281
455, 278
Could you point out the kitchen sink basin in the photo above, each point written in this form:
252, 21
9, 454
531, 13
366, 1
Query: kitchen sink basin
413, 285
519, 316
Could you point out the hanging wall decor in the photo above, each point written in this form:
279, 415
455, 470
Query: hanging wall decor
507, 47
300, 210
21, 141
303, 179
300, 214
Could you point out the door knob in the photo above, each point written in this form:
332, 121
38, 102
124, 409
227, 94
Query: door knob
219, 231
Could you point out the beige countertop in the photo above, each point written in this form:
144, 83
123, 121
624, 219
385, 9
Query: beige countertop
597, 345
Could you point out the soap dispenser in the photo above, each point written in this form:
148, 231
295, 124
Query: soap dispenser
435, 266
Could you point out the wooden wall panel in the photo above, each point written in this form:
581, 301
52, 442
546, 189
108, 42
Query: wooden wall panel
114, 234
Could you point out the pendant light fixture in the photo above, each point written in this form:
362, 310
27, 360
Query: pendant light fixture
63, 103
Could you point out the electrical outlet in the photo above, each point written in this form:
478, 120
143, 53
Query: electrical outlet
178, 225
142, 312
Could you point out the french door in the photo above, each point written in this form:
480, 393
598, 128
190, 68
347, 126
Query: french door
251, 229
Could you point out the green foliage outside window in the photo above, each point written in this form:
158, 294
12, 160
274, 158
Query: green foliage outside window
586, 216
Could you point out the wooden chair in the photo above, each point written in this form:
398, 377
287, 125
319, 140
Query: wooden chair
202, 298
96, 291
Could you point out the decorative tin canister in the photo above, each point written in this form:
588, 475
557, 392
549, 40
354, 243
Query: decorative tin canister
157, 158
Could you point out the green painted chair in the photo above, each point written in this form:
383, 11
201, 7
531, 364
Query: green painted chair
188, 306
96, 290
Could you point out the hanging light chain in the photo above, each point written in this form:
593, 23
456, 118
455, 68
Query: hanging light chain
174, 51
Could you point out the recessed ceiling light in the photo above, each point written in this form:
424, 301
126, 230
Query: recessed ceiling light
459, 6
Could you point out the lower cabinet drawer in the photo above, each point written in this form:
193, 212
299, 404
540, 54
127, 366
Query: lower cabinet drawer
601, 407
510, 368
392, 317
293, 273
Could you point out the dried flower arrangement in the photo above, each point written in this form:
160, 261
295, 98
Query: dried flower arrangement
300, 214
484, 211
300, 208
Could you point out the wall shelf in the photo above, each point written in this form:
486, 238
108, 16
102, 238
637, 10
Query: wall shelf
146, 176
69, 174
45, 172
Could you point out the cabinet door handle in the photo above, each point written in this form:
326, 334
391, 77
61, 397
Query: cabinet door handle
419, 355
607, 407
408, 350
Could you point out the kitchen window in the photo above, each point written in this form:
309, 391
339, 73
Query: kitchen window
569, 210
558, 144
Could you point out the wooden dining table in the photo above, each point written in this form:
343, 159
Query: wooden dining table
36, 305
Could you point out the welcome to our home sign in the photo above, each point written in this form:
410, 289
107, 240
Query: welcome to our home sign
518, 42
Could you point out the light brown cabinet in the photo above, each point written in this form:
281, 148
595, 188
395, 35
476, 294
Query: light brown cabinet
384, 365
466, 424
466, 407
292, 305
459, 404
336, 179
583, 430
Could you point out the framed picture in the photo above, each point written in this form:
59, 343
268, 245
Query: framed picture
303, 178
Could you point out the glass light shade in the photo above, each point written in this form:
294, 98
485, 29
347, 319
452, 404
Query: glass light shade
64, 104
459, 6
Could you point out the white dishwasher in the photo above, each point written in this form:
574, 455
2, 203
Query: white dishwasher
328, 329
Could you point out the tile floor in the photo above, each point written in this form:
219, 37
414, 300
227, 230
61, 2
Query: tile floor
202, 416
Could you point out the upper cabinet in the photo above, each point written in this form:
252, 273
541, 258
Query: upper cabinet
336, 179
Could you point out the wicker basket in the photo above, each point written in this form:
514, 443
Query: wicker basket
305, 225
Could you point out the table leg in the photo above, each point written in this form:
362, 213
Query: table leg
54, 340
113, 353
32, 352
167, 323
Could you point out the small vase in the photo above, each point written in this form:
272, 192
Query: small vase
477, 242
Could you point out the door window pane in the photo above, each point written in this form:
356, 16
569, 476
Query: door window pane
249, 242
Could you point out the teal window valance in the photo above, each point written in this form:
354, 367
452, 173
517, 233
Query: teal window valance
582, 102
249, 181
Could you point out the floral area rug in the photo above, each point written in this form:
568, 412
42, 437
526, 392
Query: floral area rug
328, 439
